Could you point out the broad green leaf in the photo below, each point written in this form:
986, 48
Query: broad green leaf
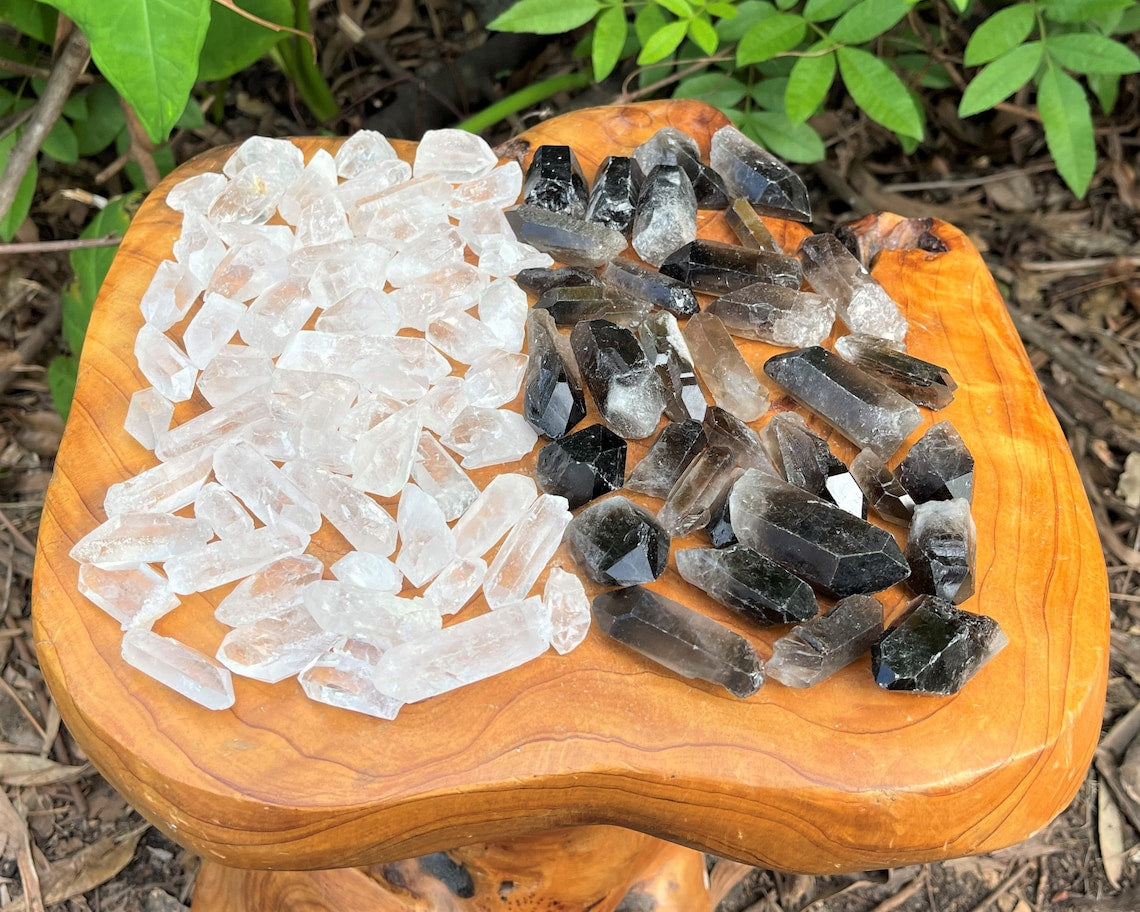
609, 41
786, 4
998, 80
62, 372
61, 143
90, 265
770, 37
868, 19
663, 42
930, 75
1081, 10
104, 120
793, 142
769, 93
808, 84
36, 20
1129, 21
147, 49
233, 42
1064, 110
1003, 30
11, 220
76, 315
876, 88
825, 10
703, 35
748, 14
1106, 87
679, 8
650, 19
712, 87
723, 10
1084, 52
545, 17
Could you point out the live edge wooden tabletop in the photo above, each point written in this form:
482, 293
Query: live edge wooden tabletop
842, 776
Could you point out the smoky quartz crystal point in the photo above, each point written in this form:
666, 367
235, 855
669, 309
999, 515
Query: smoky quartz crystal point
805, 460
723, 429
861, 302
681, 639
775, 314
919, 381
654, 288
670, 454
666, 216
613, 199
625, 386
666, 345
746, 224
883, 491
939, 466
538, 280
553, 399
572, 304
690, 500
748, 582
555, 181
617, 543
849, 399
582, 465
572, 241
756, 175
815, 651
716, 268
935, 649
941, 549
669, 146
814, 539
719, 526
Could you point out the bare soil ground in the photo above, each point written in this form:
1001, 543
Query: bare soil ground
1070, 271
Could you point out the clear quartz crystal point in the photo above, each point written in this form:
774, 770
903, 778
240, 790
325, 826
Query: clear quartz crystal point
565, 598
236, 369
624, 384
691, 499
368, 571
315, 182
503, 308
259, 150
528, 548
382, 618
465, 653
187, 671
942, 550
427, 545
212, 427
269, 592
362, 151
233, 558
569, 240
494, 378
758, 176
221, 510
455, 155
440, 476
462, 337
163, 488
169, 296
133, 596
140, 538
197, 193
681, 639
266, 491
199, 248
663, 340
861, 302
817, 649
748, 582
456, 584
272, 649
775, 314
919, 381
500, 188
849, 399
501, 504
211, 328
164, 364
486, 437
383, 459
723, 369
341, 679
364, 524
666, 216
443, 403
670, 454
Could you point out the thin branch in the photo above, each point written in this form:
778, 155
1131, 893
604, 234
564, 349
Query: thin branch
72, 61
34, 342
33, 247
23, 69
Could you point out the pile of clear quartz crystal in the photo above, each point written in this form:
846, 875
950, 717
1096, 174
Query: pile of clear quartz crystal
283, 308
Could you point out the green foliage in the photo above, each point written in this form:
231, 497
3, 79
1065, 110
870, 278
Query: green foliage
772, 64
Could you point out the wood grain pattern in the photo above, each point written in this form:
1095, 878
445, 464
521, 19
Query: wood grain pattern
841, 777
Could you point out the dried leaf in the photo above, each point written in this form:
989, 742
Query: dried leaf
1130, 771
1128, 487
32, 770
1110, 833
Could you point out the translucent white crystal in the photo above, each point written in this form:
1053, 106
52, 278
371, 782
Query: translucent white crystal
236, 369
524, 554
278, 236
340, 679
211, 328
565, 599
494, 379
504, 256
426, 252
221, 510
320, 410
368, 411
461, 337
185, 670
456, 584
323, 221
367, 183
501, 504
486, 437
265, 490
199, 248
443, 403
249, 270
503, 308
196, 570
264, 150
197, 193
361, 151
368, 571
381, 618
484, 224
169, 296
140, 538
365, 310
455, 155
439, 476
317, 180
273, 590
400, 367
464, 653
163, 488
215, 425
500, 188
254, 191
361, 520
272, 437
384, 455
134, 596
276, 314
454, 287
427, 545
274, 648
148, 416
164, 364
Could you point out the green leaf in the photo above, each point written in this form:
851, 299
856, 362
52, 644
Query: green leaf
233, 42
868, 19
1064, 110
703, 34
649, 19
879, 92
62, 371
11, 220
1003, 30
1084, 52
786, 4
712, 87
61, 143
793, 142
769, 37
1081, 10
35, 20
679, 8
545, 17
930, 75
663, 42
825, 10
609, 41
1129, 21
90, 265
1106, 87
808, 84
147, 49
998, 80
103, 122
723, 10
748, 14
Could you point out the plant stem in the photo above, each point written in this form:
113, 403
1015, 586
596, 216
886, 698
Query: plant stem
300, 67
524, 98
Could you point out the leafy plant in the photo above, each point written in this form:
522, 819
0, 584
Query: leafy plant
771, 66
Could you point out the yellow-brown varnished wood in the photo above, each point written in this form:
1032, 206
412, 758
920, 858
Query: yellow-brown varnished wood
841, 777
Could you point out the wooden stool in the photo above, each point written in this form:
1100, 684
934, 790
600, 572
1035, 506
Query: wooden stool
547, 778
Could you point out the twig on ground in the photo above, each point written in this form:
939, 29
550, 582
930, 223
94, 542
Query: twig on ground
960, 182
1109, 774
33, 343
1089, 264
19, 540
72, 61
109, 240
1014, 876
17, 830
893, 902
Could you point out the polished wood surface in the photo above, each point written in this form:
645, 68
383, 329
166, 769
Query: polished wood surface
840, 777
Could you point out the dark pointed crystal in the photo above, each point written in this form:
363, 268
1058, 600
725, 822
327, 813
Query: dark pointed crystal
540, 279
716, 268
582, 465
815, 651
571, 304
748, 582
935, 649
939, 466
665, 344
555, 181
919, 381
613, 199
758, 176
746, 225
650, 286
570, 240
849, 399
681, 639
883, 491
941, 549
805, 460
670, 454
553, 399
669, 146
701, 485
723, 429
617, 543
719, 526
623, 382
666, 216
814, 539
